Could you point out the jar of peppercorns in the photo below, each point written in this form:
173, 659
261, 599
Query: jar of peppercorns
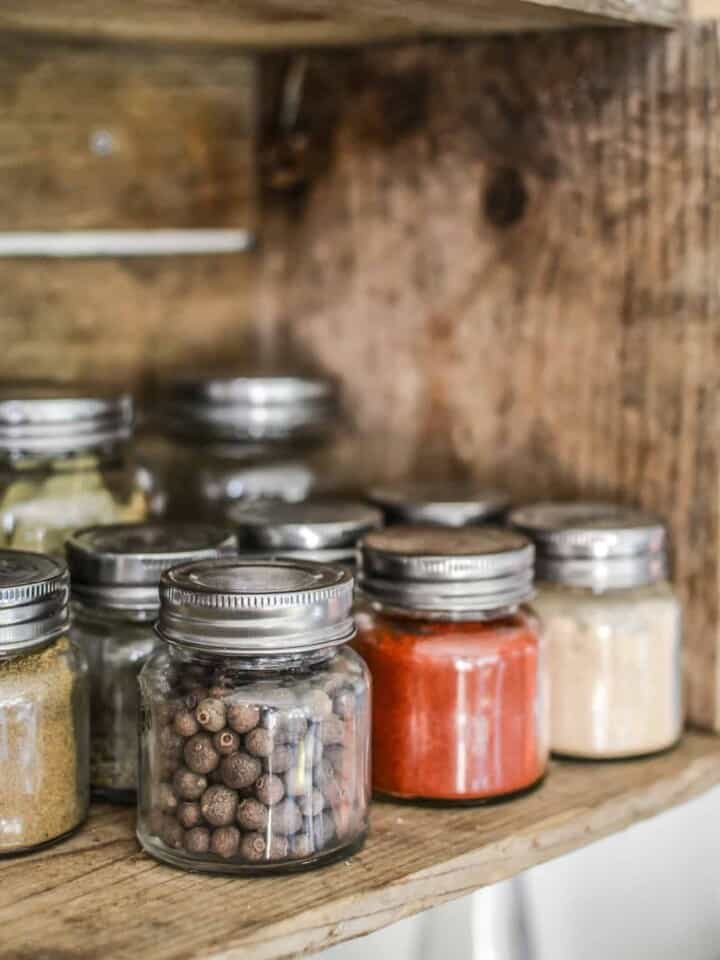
255, 719
457, 662
115, 576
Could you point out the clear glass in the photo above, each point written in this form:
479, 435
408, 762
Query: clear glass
254, 765
44, 746
615, 669
43, 500
116, 645
459, 707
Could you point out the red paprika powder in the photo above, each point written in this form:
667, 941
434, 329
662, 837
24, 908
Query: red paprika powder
459, 698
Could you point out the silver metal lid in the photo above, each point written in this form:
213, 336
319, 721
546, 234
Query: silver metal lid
288, 481
449, 505
596, 545
256, 607
34, 591
226, 409
120, 565
457, 571
55, 418
311, 525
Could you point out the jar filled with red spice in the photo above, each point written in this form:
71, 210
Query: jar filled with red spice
457, 662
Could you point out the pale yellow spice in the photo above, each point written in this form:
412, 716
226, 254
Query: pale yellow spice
43, 792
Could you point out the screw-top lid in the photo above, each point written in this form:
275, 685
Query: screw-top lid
229, 409
288, 481
456, 571
56, 418
450, 505
596, 545
120, 565
256, 607
34, 591
311, 525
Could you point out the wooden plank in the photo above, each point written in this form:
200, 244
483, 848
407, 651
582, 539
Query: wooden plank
283, 23
508, 252
101, 137
96, 895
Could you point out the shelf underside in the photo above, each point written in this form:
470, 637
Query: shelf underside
280, 23
97, 895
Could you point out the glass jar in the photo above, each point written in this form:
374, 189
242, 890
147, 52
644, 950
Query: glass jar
446, 504
43, 706
242, 438
64, 463
326, 531
614, 628
457, 662
115, 576
256, 720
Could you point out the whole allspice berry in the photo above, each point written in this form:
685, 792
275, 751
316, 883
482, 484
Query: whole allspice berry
200, 754
280, 760
219, 806
189, 814
317, 704
323, 829
172, 834
185, 723
226, 742
240, 770
269, 789
287, 726
330, 683
217, 691
225, 841
252, 815
301, 845
197, 840
210, 714
279, 847
333, 792
189, 785
298, 780
167, 798
260, 742
170, 743
311, 804
344, 704
194, 696
253, 847
243, 717
285, 817
331, 730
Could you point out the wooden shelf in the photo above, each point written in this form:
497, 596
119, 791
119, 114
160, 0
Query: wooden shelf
281, 23
97, 895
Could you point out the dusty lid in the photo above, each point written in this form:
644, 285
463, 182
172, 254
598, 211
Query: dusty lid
46, 418
120, 565
310, 525
465, 570
449, 505
256, 607
34, 591
251, 408
594, 544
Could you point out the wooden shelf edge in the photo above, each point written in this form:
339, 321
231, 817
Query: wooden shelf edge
96, 894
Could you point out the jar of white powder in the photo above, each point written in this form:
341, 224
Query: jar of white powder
613, 626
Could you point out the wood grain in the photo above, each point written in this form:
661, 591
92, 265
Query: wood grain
113, 137
96, 895
283, 23
508, 252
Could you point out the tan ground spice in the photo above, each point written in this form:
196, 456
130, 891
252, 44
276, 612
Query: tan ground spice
43, 750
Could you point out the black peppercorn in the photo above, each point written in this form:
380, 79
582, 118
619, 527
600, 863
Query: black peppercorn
253, 847
260, 742
167, 798
285, 817
197, 840
189, 814
189, 785
311, 803
172, 834
225, 841
185, 723
210, 714
200, 755
252, 815
240, 770
219, 805
243, 717
331, 730
269, 789
226, 742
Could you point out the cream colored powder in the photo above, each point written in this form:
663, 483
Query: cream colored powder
614, 669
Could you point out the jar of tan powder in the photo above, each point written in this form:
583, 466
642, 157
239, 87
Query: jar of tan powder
43, 706
613, 625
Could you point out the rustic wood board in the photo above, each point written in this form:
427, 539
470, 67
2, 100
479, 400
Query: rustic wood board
283, 23
97, 895
119, 137
508, 252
